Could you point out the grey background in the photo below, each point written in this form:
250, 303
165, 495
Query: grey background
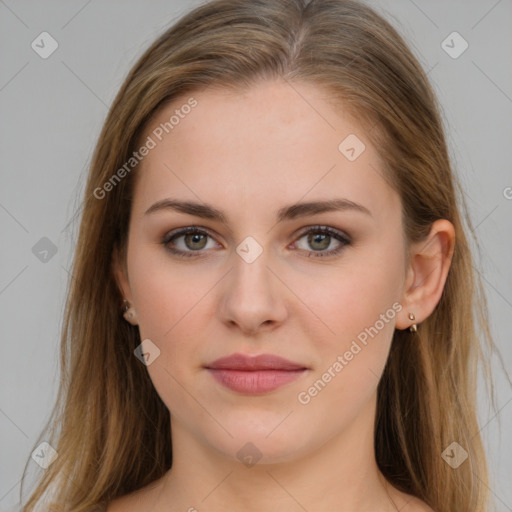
51, 112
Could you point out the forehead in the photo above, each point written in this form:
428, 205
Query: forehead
271, 144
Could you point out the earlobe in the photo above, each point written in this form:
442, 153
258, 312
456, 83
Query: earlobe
129, 313
429, 264
121, 278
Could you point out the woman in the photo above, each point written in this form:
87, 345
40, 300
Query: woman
272, 303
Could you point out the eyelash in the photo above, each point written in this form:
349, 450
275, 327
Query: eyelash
345, 240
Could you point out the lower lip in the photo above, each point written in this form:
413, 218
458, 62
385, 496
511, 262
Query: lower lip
255, 382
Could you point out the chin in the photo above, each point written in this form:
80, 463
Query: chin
262, 445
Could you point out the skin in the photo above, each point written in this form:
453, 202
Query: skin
250, 154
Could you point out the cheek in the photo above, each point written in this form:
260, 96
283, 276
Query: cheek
168, 294
357, 306
350, 361
171, 312
352, 297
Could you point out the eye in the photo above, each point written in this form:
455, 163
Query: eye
194, 241
320, 238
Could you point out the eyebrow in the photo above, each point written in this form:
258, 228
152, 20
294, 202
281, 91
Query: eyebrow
290, 212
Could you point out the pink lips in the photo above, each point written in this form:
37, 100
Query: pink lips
254, 374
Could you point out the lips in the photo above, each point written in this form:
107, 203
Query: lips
254, 375
243, 362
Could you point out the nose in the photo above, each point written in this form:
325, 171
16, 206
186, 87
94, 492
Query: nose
253, 298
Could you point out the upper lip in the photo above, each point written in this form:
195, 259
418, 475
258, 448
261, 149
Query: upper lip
253, 363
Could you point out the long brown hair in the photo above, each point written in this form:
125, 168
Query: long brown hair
109, 426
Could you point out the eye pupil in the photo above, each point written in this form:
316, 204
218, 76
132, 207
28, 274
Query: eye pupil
196, 239
322, 238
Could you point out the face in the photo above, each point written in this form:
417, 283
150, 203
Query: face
319, 288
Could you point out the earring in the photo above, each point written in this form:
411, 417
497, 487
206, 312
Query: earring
128, 312
413, 327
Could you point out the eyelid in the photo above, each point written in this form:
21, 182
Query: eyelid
185, 230
343, 238
325, 228
179, 232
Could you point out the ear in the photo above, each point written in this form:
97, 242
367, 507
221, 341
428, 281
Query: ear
428, 267
121, 277
120, 273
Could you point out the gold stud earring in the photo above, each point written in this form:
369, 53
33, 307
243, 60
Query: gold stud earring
413, 327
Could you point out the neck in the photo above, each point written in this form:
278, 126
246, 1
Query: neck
341, 474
